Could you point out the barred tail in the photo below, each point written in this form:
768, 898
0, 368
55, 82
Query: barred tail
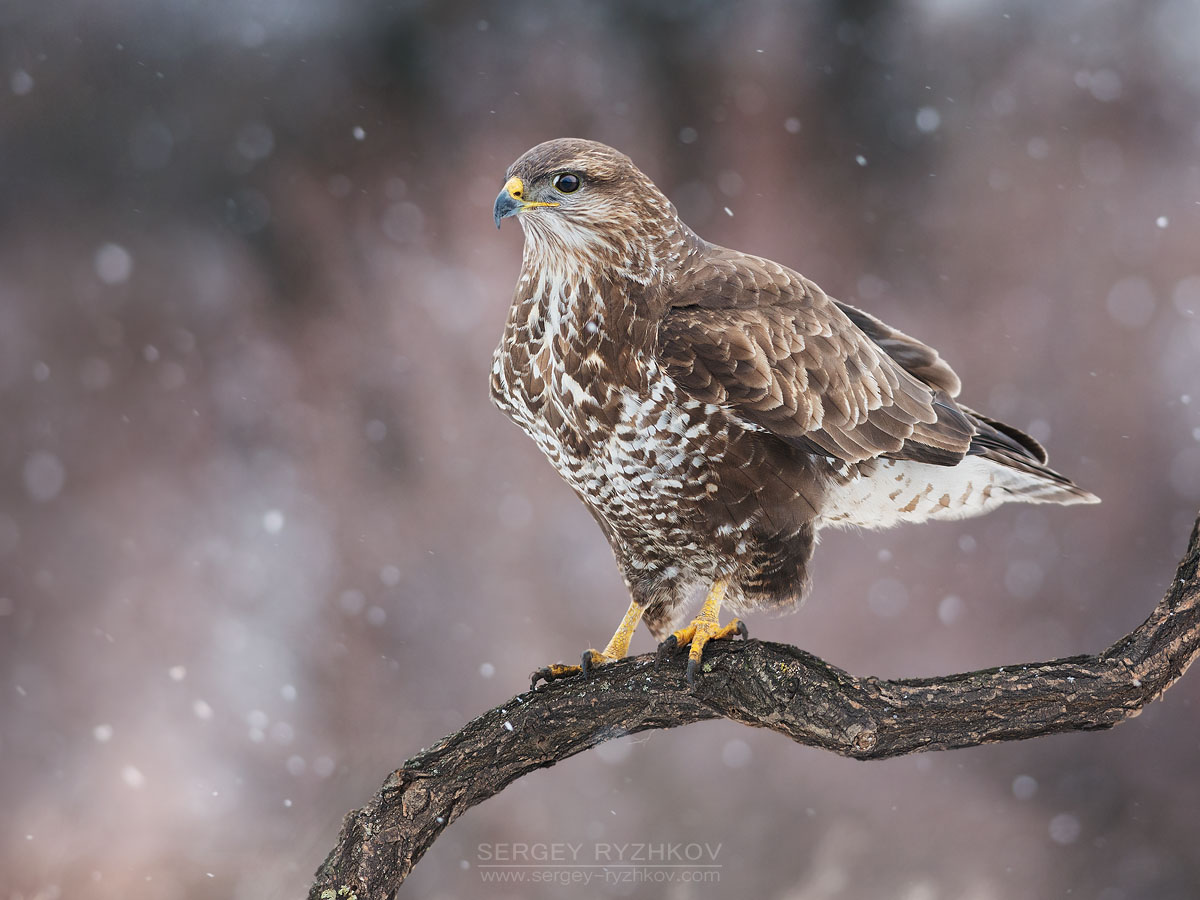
1030, 482
1022, 471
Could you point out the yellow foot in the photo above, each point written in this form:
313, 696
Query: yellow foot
552, 672
593, 659
704, 628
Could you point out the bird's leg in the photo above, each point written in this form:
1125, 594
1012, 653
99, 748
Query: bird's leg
617, 648
704, 628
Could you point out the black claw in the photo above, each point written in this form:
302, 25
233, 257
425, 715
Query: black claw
691, 673
665, 649
548, 675
585, 662
743, 630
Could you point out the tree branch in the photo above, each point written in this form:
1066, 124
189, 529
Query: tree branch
769, 686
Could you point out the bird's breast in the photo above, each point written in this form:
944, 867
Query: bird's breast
575, 374
554, 372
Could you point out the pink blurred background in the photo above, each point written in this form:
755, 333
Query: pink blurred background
263, 536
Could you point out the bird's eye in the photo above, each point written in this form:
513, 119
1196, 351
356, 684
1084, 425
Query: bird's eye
566, 183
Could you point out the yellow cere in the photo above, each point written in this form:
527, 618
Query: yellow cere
516, 188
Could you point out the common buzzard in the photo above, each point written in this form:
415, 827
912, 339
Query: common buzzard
714, 410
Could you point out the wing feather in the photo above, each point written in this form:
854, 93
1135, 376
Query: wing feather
776, 352
918, 359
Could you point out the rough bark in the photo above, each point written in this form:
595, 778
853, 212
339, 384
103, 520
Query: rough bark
766, 685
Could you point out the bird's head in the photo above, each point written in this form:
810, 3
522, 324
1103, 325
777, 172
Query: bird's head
584, 197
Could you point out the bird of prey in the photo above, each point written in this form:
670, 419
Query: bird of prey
715, 410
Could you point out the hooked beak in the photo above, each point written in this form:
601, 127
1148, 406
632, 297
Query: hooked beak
511, 200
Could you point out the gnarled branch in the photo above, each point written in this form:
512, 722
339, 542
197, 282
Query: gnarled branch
770, 686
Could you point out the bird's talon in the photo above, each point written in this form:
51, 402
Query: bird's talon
704, 628
665, 649
591, 660
553, 672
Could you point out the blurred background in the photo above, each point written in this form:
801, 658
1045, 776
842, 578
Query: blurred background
263, 536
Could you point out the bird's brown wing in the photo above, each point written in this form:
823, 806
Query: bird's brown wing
917, 358
771, 348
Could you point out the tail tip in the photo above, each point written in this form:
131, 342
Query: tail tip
1079, 496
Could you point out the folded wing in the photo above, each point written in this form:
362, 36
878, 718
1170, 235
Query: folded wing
779, 355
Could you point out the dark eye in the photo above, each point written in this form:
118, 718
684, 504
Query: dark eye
566, 183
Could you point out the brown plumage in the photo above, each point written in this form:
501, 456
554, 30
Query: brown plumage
714, 409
